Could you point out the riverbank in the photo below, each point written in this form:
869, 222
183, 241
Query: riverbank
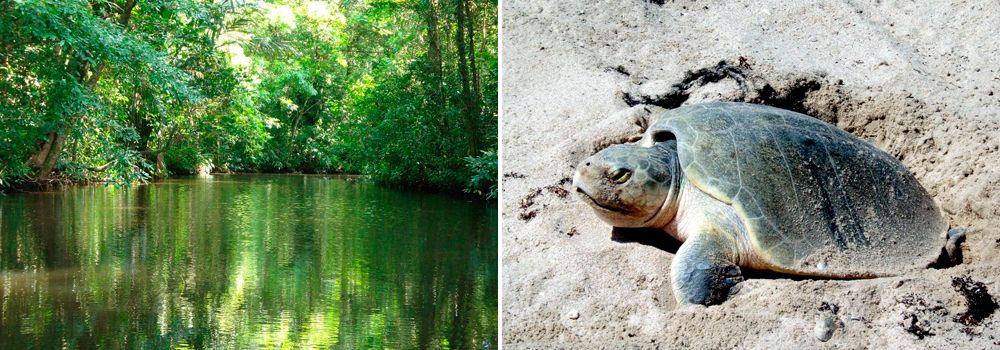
61, 184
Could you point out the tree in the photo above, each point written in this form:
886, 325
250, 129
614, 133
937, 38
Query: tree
123, 90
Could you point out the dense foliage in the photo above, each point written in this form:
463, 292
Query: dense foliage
124, 91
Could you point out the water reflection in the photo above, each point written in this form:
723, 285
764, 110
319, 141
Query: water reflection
247, 262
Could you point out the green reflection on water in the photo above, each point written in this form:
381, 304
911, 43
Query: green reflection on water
247, 262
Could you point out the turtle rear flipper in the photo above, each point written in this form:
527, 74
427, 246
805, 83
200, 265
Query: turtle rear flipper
951, 253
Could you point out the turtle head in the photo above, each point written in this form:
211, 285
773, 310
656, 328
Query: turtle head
629, 185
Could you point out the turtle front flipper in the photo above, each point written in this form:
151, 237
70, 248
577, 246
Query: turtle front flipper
704, 271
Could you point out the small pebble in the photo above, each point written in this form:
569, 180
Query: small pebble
824, 328
573, 314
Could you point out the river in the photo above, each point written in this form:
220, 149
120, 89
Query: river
237, 262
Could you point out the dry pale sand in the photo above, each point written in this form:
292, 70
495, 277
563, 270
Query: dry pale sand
919, 79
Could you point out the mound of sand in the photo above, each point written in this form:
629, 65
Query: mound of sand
920, 80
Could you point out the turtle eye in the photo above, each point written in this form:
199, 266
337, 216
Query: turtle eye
621, 175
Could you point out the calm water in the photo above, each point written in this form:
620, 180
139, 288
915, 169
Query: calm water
236, 262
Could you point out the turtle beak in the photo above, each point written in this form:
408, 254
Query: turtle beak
583, 191
579, 185
589, 173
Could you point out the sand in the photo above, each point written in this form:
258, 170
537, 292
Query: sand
920, 80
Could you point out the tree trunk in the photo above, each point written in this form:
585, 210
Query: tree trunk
88, 76
126, 14
463, 69
476, 93
140, 122
36, 160
434, 58
161, 166
53, 155
5, 56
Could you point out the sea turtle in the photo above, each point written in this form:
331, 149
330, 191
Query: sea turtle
752, 186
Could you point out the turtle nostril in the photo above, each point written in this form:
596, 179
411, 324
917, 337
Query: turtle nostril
588, 164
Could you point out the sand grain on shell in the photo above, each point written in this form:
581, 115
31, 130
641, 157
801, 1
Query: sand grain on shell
917, 79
